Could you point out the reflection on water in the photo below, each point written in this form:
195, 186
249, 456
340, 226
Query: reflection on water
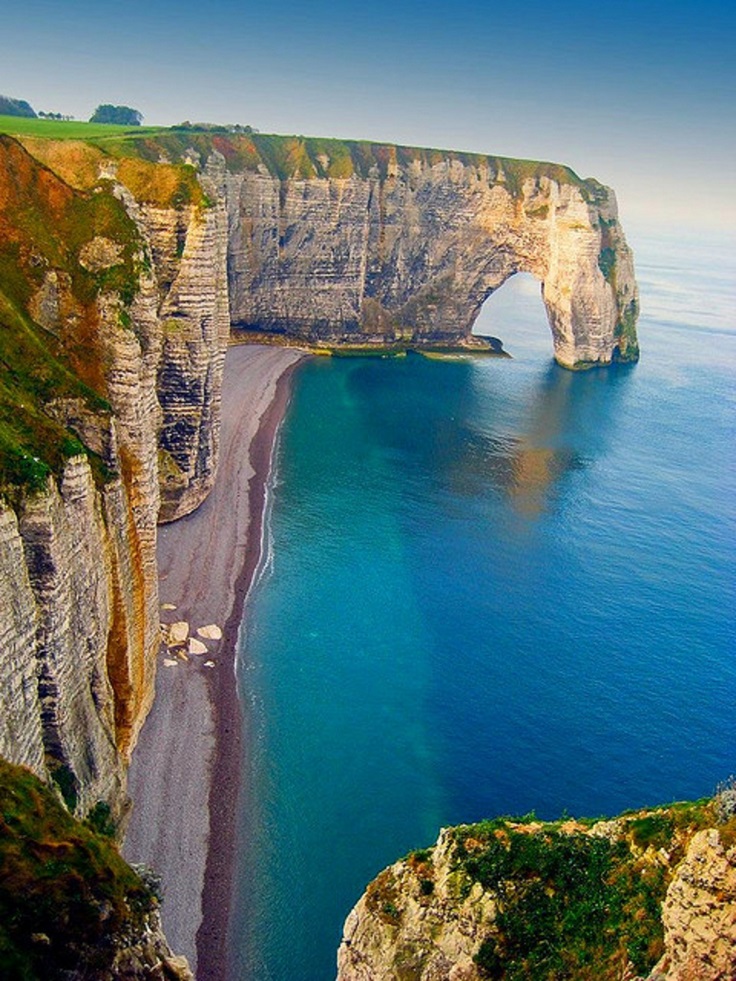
535, 469
568, 424
458, 421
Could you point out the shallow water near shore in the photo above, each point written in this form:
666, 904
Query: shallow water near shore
492, 586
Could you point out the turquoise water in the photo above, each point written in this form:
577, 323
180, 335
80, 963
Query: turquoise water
493, 586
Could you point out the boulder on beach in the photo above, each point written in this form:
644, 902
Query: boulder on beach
170, 662
168, 606
210, 632
178, 633
209, 664
196, 646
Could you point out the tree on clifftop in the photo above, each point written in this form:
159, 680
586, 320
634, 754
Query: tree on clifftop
122, 115
15, 107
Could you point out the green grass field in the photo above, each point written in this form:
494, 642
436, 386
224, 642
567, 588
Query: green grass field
74, 130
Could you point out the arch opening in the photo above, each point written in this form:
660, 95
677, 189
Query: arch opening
516, 315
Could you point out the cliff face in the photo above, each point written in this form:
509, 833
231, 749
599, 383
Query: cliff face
521, 901
348, 243
114, 316
57, 566
407, 251
188, 245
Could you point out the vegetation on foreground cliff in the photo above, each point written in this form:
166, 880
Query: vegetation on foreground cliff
525, 900
66, 896
572, 904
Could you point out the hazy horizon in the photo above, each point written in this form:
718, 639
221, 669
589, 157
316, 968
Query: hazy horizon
640, 99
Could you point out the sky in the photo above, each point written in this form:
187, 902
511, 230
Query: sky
641, 95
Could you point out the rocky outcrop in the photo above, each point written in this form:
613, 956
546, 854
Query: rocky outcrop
141, 956
508, 899
189, 247
699, 912
406, 252
417, 920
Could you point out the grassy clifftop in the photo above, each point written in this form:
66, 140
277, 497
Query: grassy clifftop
574, 903
518, 899
282, 156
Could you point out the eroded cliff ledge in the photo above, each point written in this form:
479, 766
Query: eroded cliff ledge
651, 894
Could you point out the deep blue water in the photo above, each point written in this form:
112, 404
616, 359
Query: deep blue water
494, 586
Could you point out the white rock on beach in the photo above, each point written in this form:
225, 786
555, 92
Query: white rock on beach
168, 606
196, 646
178, 633
169, 662
209, 664
210, 632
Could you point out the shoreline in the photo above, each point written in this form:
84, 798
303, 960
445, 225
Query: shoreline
185, 774
226, 786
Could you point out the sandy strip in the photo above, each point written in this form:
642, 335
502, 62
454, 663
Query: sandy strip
184, 778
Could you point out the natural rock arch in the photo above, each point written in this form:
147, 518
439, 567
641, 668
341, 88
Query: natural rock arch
515, 306
409, 257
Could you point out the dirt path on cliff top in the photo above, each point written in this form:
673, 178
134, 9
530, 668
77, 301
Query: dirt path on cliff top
190, 745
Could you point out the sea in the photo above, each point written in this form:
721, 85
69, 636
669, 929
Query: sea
490, 587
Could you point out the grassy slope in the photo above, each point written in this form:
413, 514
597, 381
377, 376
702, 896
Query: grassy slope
64, 889
58, 130
43, 225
